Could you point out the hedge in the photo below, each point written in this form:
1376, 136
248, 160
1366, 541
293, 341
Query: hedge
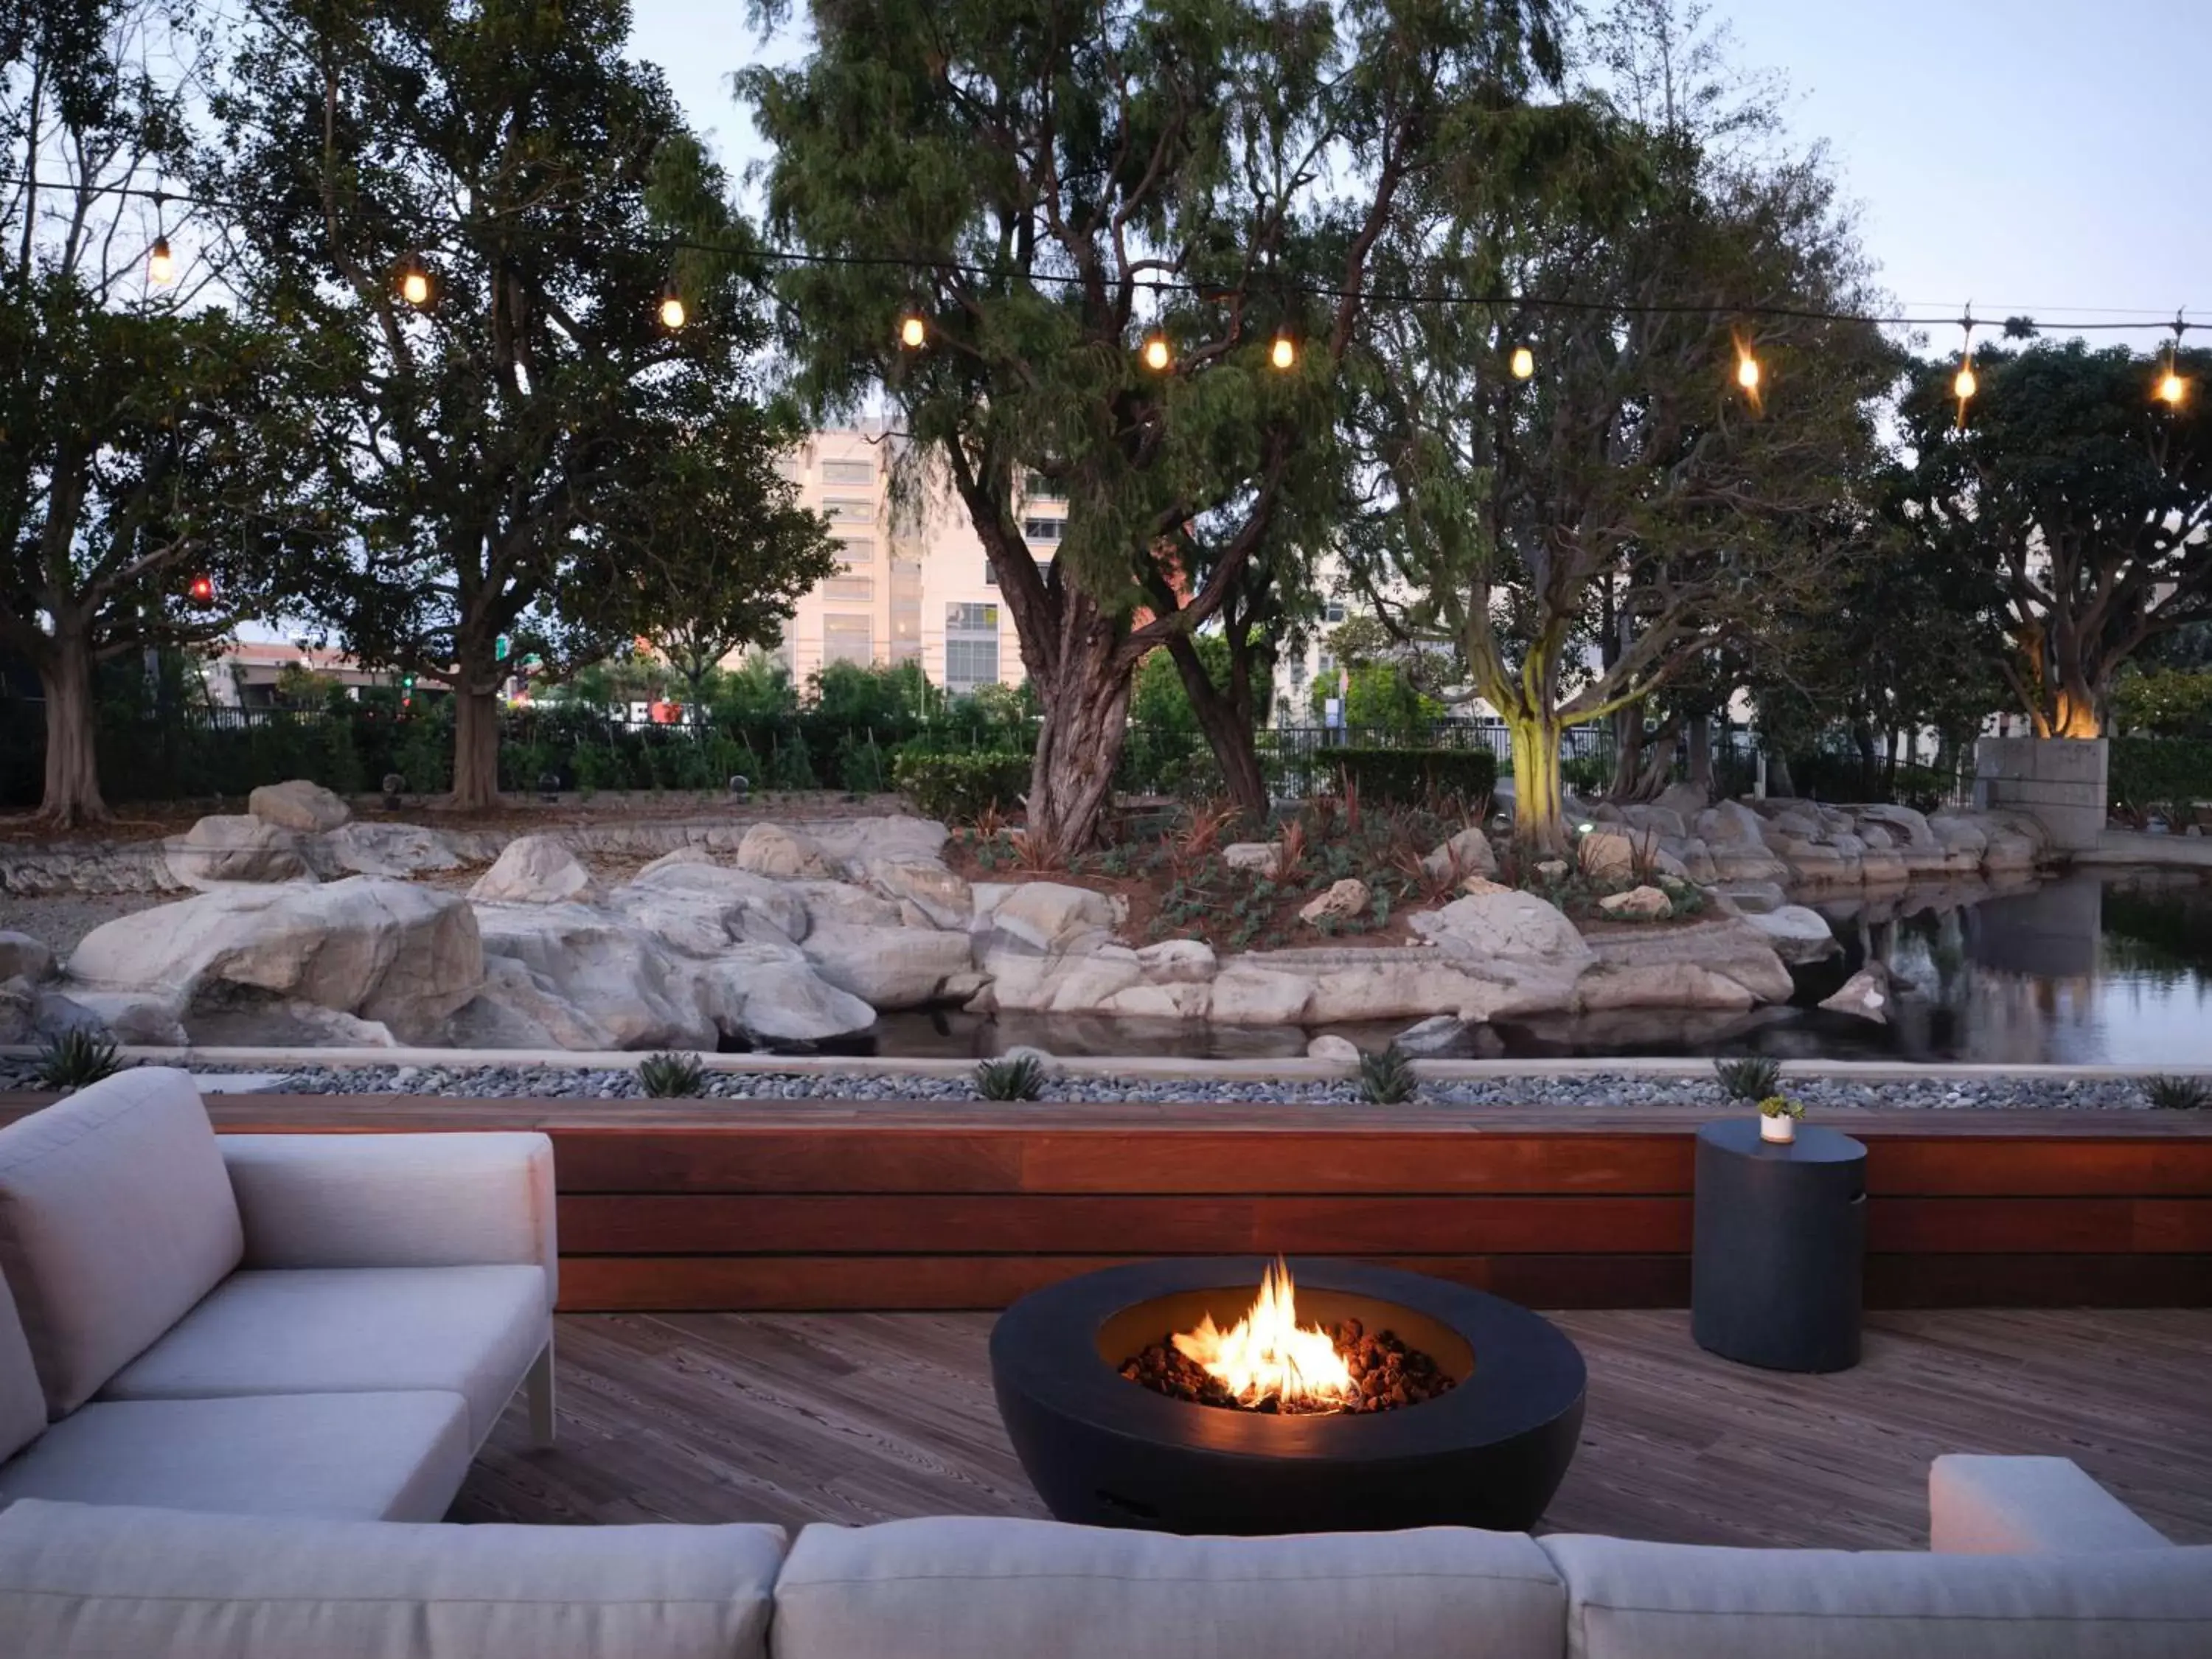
1410, 775
956, 787
2148, 773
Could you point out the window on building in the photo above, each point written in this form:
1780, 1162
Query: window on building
1324, 665
970, 663
848, 472
1038, 488
848, 639
848, 510
856, 552
1333, 612
862, 589
1043, 530
968, 617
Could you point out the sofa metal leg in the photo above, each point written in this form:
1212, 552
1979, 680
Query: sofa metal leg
540, 1387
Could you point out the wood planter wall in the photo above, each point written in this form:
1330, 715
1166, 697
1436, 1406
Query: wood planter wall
787, 1206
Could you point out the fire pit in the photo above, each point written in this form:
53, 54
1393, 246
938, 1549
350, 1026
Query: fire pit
1279, 1427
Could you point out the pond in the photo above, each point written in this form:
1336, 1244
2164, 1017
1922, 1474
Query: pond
2095, 967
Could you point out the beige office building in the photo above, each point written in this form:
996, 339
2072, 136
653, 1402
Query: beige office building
914, 587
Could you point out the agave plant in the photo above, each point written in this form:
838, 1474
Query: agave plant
664, 1076
1387, 1079
2178, 1094
1755, 1077
1012, 1077
77, 1058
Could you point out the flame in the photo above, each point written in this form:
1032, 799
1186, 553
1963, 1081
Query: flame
1267, 1352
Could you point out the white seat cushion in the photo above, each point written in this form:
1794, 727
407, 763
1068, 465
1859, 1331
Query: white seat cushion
116, 1216
22, 1401
77, 1582
341, 1456
963, 1587
1637, 1601
471, 1331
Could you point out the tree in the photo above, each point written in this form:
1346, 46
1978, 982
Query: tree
496, 445
1050, 186
1586, 535
146, 441
2081, 503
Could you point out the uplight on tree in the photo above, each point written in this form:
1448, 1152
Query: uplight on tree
1524, 362
160, 269
1285, 352
1157, 355
913, 331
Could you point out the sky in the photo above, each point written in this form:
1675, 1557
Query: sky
2038, 156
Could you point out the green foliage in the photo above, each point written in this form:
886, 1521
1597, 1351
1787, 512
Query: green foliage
2165, 702
1381, 696
861, 766
1753, 1077
667, 1076
2178, 1094
1387, 1079
2166, 775
789, 767
1417, 775
1780, 1106
959, 787
1019, 1077
78, 1058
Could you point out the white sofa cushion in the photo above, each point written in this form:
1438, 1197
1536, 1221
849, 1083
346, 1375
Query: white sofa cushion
2027, 1505
1635, 1601
396, 1200
962, 1588
79, 1583
471, 1331
115, 1216
22, 1401
339, 1457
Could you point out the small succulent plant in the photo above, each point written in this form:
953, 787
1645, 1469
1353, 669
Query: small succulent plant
1753, 1077
1387, 1079
669, 1075
1781, 1106
1013, 1077
2178, 1094
77, 1058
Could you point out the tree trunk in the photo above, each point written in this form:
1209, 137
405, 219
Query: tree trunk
1086, 723
1701, 754
475, 749
72, 798
1778, 775
1228, 731
1539, 806
1627, 752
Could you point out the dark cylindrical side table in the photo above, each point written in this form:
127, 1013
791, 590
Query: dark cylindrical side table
1780, 1246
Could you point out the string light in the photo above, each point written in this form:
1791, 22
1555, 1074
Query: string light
672, 308
913, 331
1524, 362
1157, 355
414, 282
1283, 354
160, 269
1963, 384
2173, 389
1746, 370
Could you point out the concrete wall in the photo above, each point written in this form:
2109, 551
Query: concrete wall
2058, 781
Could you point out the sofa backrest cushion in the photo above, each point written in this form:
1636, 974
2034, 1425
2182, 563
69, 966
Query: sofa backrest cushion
116, 1216
1635, 1601
961, 1587
22, 1401
77, 1581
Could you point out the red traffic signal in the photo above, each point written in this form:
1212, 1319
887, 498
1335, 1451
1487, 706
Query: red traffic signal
202, 592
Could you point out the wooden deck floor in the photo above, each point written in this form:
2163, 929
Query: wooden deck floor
862, 1417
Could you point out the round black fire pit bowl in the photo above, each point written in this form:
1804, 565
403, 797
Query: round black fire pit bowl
1107, 1451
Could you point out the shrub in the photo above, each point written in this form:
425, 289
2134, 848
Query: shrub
666, 1075
77, 1058
860, 767
2178, 1094
2160, 774
1751, 1079
959, 787
1017, 1076
1415, 774
1387, 1079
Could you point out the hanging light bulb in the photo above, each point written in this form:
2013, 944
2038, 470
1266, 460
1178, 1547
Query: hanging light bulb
1963, 383
1283, 354
2172, 390
913, 331
1746, 370
1157, 355
672, 313
160, 269
1524, 362
414, 282
201, 590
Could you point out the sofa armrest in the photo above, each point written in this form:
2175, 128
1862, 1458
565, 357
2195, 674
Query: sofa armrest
395, 1200
2027, 1506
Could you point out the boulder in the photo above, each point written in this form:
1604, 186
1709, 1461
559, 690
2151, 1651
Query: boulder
769, 849
32, 1013
1663, 822
534, 870
845, 903
942, 897
855, 843
298, 805
1803, 821
1729, 824
1552, 869
1905, 827
1727, 946
1441, 1034
151, 1017
1342, 903
515, 1010
605, 966
888, 967
768, 995
1410, 983
1177, 961
1244, 995
234, 848
1341, 1051
1692, 856
1875, 838
1468, 853
1174, 1001
1510, 926
1258, 856
1865, 995
1474, 886
23, 957
254, 1020
1051, 916
1797, 934
1656, 985
1956, 833
1685, 801
389, 951
700, 909
1748, 898
379, 849
675, 860
1638, 904
1026, 981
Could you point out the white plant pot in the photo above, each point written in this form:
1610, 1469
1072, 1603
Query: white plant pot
1780, 1129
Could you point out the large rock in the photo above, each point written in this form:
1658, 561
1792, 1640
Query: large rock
1024, 980
255, 1021
1728, 947
888, 967
1797, 934
769, 849
1051, 916
606, 967
699, 908
33, 1013
1504, 928
767, 994
151, 1017
1638, 904
1257, 996
534, 870
1342, 903
25, 957
941, 896
832, 903
1655, 984
1748, 898
1866, 994
404, 956
515, 1010
234, 848
1468, 853
379, 849
855, 843
1257, 856
1729, 824
1906, 828
1178, 962
1338, 1051
1437, 1036
298, 805
1171, 1001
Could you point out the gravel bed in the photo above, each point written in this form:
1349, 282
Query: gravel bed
1595, 1088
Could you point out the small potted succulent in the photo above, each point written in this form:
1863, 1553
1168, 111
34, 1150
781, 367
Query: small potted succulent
1777, 1119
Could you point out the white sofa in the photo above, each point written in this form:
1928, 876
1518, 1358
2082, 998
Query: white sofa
2078, 1577
261, 1325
